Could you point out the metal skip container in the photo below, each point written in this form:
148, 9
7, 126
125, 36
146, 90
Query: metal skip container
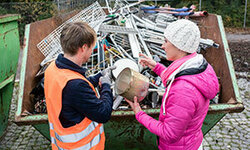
123, 131
130, 83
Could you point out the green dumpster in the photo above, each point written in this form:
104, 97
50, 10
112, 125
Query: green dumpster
123, 131
9, 52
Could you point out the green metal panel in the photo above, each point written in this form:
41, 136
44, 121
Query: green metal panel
126, 133
229, 59
210, 121
43, 129
22, 73
9, 51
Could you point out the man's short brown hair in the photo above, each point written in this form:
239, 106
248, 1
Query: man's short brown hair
75, 35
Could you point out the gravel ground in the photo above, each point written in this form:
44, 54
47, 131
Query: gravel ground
231, 133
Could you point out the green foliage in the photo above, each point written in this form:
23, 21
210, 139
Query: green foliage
3, 10
232, 16
29, 11
232, 11
32, 12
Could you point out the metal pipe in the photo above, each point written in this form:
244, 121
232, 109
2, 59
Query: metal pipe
117, 102
128, 6
158, 53
107, 4
154, 28
125, 52
200, 5
101, 55
245, 15
112, 39
155, 86
134, 44
140, 37
156, 90
114, 53
158, 48
150, 40
148, 21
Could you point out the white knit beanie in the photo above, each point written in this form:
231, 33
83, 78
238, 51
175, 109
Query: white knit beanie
183, 34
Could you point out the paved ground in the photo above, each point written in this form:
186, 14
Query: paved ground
231, 133
238, 37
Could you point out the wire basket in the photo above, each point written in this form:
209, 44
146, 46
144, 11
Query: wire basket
50, 46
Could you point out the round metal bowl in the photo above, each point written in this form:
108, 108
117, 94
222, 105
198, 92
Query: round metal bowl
130, 83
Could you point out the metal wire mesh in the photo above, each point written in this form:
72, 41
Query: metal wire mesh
63, 5
50, 45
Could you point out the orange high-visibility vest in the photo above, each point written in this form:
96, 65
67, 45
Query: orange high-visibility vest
83, 136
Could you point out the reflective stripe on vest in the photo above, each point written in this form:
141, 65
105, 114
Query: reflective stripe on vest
72, 138
87, 146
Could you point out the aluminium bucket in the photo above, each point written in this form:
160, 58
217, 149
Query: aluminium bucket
131, 83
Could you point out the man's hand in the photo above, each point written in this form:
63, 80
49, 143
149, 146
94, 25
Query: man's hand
134, 105
107, 71
105, 79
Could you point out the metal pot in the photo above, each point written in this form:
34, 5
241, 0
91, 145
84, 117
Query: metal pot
130, 83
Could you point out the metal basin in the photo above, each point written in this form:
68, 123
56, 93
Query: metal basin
130, 83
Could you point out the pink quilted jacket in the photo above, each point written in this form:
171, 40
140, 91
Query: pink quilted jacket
186, 107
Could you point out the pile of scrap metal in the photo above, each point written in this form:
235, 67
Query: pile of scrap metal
127, 30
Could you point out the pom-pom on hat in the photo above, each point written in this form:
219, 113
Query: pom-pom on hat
183, 34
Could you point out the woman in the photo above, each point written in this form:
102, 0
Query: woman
190, 83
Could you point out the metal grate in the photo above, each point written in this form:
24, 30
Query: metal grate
116, 29
50, 45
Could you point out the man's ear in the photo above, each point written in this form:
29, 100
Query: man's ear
84, 47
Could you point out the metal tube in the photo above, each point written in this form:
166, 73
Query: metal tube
158, 48
117, 102
158, 53
140, 37
92, 60
156, 90
101, 55
200, 5
112, 39
124, 52
245, 15
155, 86
107, 4
134, 44
114, 53
148, 21
154, 28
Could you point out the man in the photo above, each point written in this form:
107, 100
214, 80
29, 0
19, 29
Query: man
75, 111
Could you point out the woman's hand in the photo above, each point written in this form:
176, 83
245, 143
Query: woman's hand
146, 61
134, 105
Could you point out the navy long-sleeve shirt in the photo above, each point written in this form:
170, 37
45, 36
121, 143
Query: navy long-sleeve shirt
79, 100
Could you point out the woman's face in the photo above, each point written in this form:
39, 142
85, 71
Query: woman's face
172, 53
